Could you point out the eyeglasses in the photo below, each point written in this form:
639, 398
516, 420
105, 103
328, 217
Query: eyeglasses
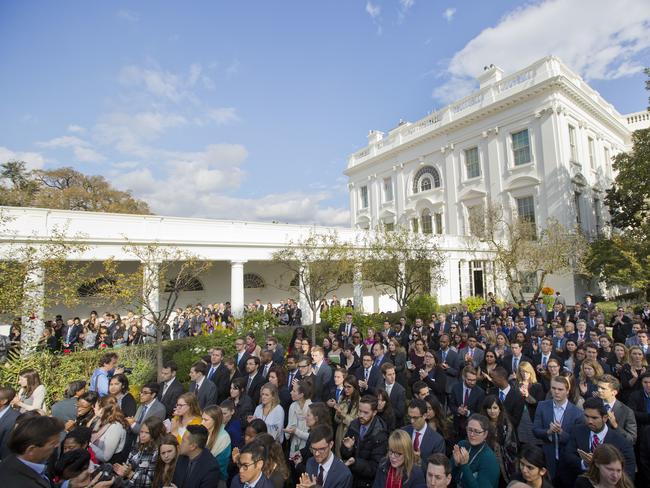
303, 366
145, 392
269, 344
316, 450
180, 405
471, 431
396, 454
245, 466
415, 418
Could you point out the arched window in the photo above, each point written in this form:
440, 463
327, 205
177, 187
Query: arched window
425, 179
92, 288
188, 284
427, 226
295, 281
252, 280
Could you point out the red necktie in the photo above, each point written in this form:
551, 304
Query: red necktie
416, 442
595, 442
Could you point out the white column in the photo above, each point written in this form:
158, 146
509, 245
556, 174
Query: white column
303, 301
237, 287
357, 288
150, 298
33, 308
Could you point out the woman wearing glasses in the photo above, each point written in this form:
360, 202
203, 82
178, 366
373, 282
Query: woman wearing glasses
400, 468
474, 464
187, 412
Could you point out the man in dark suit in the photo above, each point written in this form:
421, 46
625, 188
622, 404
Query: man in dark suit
204, 389
251, 466
196, 466
465, 399
369, 375
241, 355
585, 438
620, 416
254, 380
170, 387
449, 361
556, 314
32, 442
555, 421
150, 406
365, 443
66, 409
277, 350
218, 373
8, 418
324, 468
379, 355
541, 359
512, 361
396, 392
424, 439
344, 332
322, 374
510, 396
472, 355
70, 333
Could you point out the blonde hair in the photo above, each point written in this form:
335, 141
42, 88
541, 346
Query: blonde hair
644, 361
598, 369
526, 366
400, 441
275, 397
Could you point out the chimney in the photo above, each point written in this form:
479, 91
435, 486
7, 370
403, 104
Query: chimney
491, 75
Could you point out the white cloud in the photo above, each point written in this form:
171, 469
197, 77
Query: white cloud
76, 128
128, 15
160, 83
34, 160
449, 13
373, 10
599, 39
223, 115
406, 4
81, 149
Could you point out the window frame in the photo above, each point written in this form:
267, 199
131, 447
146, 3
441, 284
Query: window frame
516, 151
476, 164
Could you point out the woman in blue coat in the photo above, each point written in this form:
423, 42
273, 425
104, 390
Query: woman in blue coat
474, 464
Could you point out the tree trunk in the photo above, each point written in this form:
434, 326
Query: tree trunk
159, 352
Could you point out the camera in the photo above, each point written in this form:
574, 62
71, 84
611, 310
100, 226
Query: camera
106, 471
126, 370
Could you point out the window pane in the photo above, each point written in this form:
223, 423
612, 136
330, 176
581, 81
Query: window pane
521, 147
364, 197
592, 159
572, 143
438, 218
426, 184
427, 227
414, 225
472, 166
476, 220
528, 282
389, 226
388, 189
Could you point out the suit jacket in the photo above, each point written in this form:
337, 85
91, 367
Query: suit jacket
367, 452
570, 463
398, 401
221, 379
537, 358
157, 409
572, 418
474, 401
375, 379
74, 334
339, 475
514, 404
323, 379
345, 340
508, 359
253, 391
430, 443
477, 359
171, 395
7, 423
264, 482
207, 394
625, 420
561, 316
453, 371
204, 474
65, 409
241, 365
15, 473
637, 403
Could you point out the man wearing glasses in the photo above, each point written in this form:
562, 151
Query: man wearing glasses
251, 464
425, 440
324, 469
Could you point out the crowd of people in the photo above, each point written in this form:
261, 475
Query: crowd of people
519, 396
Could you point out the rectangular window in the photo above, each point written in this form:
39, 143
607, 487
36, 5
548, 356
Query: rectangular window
572, 144
388, 189
438, 222
427, 225
526, 213
390, 226
528, 282
476, 220
576, 200
472, 166
415, 227
521, 147
598, 215
592, 153
363, 193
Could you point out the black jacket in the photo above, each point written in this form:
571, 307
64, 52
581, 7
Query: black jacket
204, 474
367, 452
16, 474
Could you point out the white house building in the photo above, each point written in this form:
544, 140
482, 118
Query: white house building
539, 142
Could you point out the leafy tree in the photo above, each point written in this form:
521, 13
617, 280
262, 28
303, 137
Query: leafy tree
520, 248
64, 188
153, 289
401, 263
317, 265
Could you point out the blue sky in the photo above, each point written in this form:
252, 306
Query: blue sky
249, 109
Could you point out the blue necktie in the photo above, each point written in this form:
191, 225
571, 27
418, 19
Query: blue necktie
502, 396
338, 394
362, 431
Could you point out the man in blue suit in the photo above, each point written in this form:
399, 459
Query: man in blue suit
196, 466
425, 440
585, 439
555, 421
324, 468
251, 464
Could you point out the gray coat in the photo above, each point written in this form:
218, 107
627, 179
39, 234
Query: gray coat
157, 409
65, 409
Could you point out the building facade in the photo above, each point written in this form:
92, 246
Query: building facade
539, 142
